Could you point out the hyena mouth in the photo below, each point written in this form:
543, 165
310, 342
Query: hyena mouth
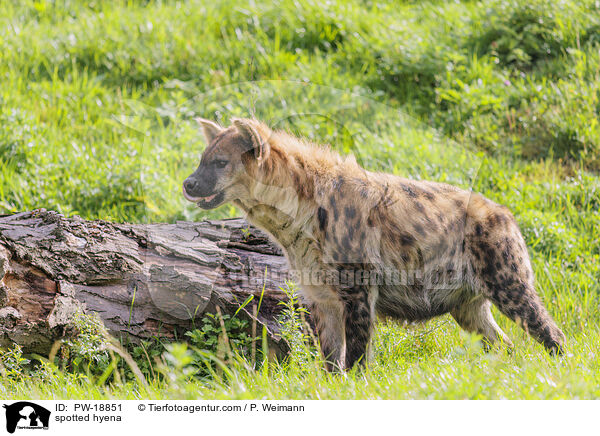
211, 201
207, 199
205, 202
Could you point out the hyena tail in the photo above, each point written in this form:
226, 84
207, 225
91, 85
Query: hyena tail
525, 308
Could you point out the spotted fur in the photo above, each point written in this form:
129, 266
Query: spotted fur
383, 245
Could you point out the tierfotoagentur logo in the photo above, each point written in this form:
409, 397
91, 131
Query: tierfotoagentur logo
26, 415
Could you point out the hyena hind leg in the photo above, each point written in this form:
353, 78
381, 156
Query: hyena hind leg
476, 317
504, 274
522, 304
329, 322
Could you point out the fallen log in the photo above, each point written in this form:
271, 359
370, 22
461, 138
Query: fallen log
143, 280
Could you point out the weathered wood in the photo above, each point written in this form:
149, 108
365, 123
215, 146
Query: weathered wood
142, 280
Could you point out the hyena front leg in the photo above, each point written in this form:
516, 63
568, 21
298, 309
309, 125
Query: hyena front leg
329, 321
476, 316
359, 318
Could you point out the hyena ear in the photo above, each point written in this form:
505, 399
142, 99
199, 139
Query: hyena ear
259, 144
210, 129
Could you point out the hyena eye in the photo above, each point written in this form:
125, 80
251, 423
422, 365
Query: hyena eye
220, 163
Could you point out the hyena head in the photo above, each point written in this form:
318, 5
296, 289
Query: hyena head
230, 163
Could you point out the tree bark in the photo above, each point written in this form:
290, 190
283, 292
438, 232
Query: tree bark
143, 280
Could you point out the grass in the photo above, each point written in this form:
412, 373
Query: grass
96, 118
437, 362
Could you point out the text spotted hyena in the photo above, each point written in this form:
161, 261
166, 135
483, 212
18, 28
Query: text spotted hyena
382, 245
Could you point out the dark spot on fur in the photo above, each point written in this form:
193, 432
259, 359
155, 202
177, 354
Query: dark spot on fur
428, 195
304, 188
478, 230
487, 249
505, 256
432, 226
350, 212
509, 282
441, 247
419, 207
300, 161
334, 208
419, 229
338, 256
493, 220
406, 239
322, 217
408, 190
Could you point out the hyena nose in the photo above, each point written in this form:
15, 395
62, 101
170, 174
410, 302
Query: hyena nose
190, 185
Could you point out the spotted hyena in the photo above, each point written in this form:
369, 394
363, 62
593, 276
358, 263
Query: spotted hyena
380, 244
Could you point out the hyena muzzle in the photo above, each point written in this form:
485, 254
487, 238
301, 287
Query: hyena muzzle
383, 245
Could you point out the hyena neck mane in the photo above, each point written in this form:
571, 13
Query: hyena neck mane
288, 187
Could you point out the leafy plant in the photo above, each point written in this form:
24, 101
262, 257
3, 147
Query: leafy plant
12, 363
220, 337
87, 351
295, 329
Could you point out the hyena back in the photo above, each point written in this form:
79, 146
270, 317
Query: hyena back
373, 243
